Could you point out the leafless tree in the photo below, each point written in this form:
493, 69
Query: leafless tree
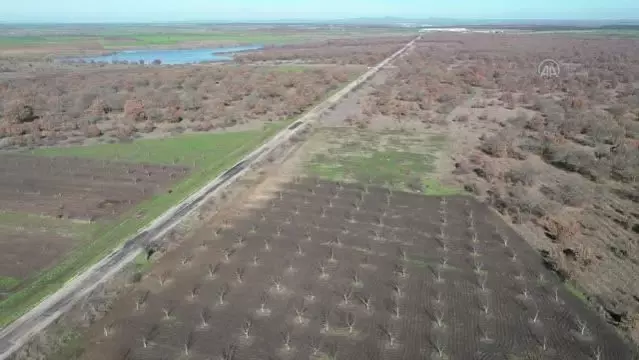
346, 294
163, 277
239, 275
246, 328
286, 340
213, 270
300, 310
204, 317
221, 294
277, 283
229, 352
350, 322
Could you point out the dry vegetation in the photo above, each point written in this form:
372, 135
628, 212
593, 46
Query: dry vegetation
557, 157
55, 108
343, 51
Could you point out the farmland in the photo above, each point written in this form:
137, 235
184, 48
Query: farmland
78, 189
367, 272
83, 180
116, 208
360, 243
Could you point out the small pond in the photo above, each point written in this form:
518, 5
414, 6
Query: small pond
170, 56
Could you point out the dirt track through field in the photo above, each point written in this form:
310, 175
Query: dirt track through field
380, 275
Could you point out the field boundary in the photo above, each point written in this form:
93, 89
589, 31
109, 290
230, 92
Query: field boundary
19, 332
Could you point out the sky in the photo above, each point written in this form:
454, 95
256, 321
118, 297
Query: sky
237, 10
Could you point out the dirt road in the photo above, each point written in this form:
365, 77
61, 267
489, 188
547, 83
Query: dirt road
20, 331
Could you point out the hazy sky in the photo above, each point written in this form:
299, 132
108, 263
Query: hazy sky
192, 10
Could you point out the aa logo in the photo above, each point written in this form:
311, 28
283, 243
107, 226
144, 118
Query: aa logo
548, 68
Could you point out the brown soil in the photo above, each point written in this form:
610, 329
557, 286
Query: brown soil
27, 251
79, 188
426, 290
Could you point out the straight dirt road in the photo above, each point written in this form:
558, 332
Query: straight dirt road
18, 333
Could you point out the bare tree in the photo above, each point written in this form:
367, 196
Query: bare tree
213, 270
204, 317
222, 292
246, 328
239, 275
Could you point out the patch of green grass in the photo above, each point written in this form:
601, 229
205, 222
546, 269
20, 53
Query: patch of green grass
398, 159
112, 234
142, 263
189, 150
574, 289
8, 283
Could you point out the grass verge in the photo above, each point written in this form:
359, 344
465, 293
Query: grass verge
397, 159
191, 150
115, 233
